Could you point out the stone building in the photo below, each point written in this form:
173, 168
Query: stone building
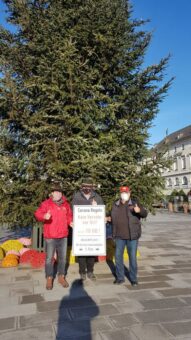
178, 176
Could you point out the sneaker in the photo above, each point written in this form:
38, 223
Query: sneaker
49, 282
62, 281
83, 277
91, 276
118, 282
134, 283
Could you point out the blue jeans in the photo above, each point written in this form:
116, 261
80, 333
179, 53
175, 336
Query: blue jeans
132, 253
52, 245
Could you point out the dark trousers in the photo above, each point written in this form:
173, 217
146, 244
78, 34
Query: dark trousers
86, 263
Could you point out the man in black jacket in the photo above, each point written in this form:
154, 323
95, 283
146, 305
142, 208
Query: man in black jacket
126, 214
87, 196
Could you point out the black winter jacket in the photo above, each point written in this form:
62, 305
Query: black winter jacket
133, 220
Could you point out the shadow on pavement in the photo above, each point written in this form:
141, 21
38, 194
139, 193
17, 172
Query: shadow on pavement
76, 311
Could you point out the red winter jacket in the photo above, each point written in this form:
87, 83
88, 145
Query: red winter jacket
61, 217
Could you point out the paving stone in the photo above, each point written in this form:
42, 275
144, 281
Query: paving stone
21, 291
90, 312
4, 291
47, 306
21, 288
139, 295
80, 328
124, 334
5, 278
150, 285
32, 298
123, 320
162, 303
37, 333
104, 281
17, 310
176, 291
22, 278
181, 262
160, 267
43, 318
178, 328
166, 271
144, 273
11, 300
187, 300
7, 324
182, 265
84, 312
59, 294
23, 267
104, 276
131, 306
164, 315
109, 300
65, 303
150, 332
185, 270
152, 278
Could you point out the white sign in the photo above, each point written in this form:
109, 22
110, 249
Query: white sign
89, 238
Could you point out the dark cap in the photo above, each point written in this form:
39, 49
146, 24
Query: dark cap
56, 186
87, 181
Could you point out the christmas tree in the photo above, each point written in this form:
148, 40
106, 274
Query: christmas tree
75, 99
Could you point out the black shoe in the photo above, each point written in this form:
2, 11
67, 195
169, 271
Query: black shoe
118, 282
134, 283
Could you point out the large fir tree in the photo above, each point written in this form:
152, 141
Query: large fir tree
75, 99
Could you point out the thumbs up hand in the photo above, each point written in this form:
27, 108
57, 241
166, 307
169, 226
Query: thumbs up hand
137, 209
47, 216
94, 202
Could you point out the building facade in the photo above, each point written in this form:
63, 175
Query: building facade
178, 176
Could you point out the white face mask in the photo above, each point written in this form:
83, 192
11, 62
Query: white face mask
125, 196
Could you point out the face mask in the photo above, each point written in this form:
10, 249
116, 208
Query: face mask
86, 191
125, 196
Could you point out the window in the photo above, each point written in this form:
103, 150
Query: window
175, 149
183, 162
175, 164
169, 182
177, 181
182, 146
185, 180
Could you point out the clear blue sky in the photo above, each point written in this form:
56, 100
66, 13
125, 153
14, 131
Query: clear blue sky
171, 27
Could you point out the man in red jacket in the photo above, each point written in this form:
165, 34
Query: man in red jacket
56, 214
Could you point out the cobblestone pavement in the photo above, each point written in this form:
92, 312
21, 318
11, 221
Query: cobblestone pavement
158, 308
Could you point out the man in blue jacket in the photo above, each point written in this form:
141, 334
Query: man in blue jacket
126, 214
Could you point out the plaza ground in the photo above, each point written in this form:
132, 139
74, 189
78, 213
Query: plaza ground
158, 308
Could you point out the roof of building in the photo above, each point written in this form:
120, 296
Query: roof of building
175, 137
